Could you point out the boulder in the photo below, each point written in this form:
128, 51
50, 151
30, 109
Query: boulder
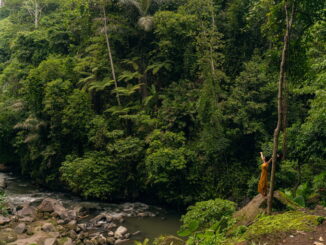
67, 215
48, 205
101, 240
27, 211
120, 232
50, 241
38, 238
121, 241
248, 213
117, 217
48, 227
20, 228
82, 226
4, 220
101, 217
72, 225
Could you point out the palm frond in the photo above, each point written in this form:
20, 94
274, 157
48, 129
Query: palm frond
128, 76
127, 91
100, 85
146, 23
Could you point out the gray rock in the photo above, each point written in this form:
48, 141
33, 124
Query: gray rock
48, 205
48, 227
73, 234
61, 222
110, 226
27, 210
27, 219
117, 217
101, 240
20, 228
82, 226
120, 232
110, 233
72, 225
4, 220
50, 241
120, 241
103, 217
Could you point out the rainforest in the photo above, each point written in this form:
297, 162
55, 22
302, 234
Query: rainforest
169, 102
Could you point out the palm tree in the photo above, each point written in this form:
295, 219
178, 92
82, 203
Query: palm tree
142, 7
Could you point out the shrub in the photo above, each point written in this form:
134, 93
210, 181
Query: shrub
207, 213
93, 175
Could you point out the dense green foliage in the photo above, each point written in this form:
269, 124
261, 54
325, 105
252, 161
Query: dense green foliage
205, 214
162, 99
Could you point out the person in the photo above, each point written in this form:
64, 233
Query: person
263, 182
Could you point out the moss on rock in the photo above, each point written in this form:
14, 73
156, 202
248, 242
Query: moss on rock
280, 223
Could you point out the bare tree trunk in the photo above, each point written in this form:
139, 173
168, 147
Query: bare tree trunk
280, 101
35, 10
36, 15
284, 119
110, 53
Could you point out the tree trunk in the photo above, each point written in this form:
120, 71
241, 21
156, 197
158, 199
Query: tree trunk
284, 119
280, 102
36, 15
110, 53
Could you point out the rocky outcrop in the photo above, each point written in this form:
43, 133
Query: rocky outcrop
56, 208
53, 224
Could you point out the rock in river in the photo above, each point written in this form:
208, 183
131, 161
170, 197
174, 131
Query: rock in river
120, 232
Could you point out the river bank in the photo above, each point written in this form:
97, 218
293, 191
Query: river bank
140, 220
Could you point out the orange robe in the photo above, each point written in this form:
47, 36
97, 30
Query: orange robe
263, 182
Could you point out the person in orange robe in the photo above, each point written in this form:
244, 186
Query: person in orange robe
263, 182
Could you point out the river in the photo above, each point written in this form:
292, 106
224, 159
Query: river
158, 221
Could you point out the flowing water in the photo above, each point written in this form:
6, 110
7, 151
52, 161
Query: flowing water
156, 221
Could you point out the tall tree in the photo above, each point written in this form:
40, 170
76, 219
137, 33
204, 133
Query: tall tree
34, 8
280, 98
